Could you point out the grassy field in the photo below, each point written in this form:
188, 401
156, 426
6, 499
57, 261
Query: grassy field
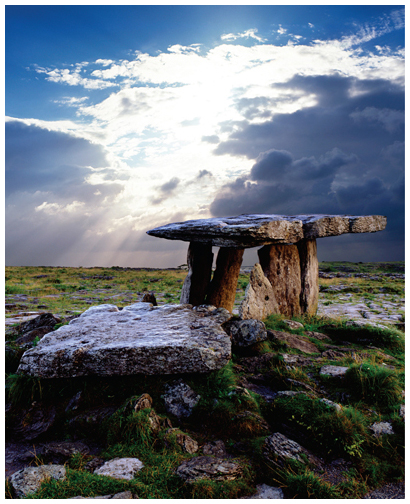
230, 409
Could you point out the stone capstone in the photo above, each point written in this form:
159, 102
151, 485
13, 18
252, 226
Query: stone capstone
180, 399
120, 468
254, 230
259, 300
140, 338
27, 481
246, 332
203, 467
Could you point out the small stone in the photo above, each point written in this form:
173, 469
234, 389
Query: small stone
332, 404
60, 451
277, 448
144, 401
292, 324
122, 495
246, 332
27, 481
30, 336
202, 467
380, 428
330, 370
293, 341
267, 492
187, 444
215, 449
402, 411
180, 399
120, 468
149, 297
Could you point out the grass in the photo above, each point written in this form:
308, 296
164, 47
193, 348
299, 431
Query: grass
370, 392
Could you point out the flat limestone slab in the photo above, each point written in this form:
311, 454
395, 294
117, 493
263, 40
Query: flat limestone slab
246, 230
105, 341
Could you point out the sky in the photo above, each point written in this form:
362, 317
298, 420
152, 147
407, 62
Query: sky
120, 119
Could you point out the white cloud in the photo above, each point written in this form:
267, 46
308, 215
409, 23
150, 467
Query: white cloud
246, 34
281, 30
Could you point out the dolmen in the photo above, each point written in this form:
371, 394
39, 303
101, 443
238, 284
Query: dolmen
287, 257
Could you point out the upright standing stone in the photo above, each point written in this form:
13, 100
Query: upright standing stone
222, 289
309, 276
259, 300
281, 266
199, 259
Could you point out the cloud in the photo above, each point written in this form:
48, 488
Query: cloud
246, 34
392, 120
166, 190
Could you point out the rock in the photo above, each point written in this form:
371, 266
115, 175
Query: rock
30, 336
259, 301
149, 297
281, 266
94, 464
196, 283
144, 401
138, 339
254, 418
27, 481
380, 428
180, 399
222, 289
60, 451
338, 371
292, 324
74, 402
332, 404
215, 449
257, 363
267, 492
35, 421
402, 411
309, 276
202, 467
120, 468
90, 421
246, 332
333, 355
277, 448
43, 320
293, 341
187, 444
155, 422
122, 495
249, 230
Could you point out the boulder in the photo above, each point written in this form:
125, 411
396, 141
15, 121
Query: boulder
43, 320
202, 467
30, 336
120, 468
336, 371
180, 399
246, 332
27, 481
144, 401
294, 341
149, 297
215, 449
259, 300
380, 428
267, 492
140, 338
187, 444
277, 448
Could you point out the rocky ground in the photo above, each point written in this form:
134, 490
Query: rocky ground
242, 426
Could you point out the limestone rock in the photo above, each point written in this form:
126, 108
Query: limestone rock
332, 404
281, 266
309, 276
196, 283
27, 481
144, 401
30, 336
180, 399
259, 301
292, 324
277, 448
149, 297
402, 411
187, 444
122, 495
61, 451
34, 422
222, 289
246, 332
294, 341
250, 230
120, 468
202, 467
45, 319
333, 370
380, 428
215, 449
267, 492
138, 339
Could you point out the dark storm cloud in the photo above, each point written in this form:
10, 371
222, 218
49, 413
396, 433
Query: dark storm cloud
204, 173
166, 190
343, 155
42, 160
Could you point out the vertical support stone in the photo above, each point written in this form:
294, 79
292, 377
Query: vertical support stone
199, 259
309, 276
222, 289
281, 266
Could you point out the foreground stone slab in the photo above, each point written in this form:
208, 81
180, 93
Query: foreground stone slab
105, 341
212, 468
27, 481
120, 468
254, 230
